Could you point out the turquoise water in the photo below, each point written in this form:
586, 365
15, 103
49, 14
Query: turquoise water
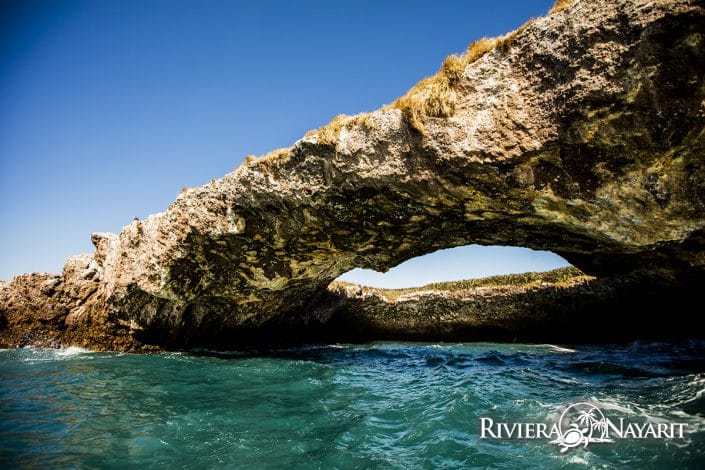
383, 405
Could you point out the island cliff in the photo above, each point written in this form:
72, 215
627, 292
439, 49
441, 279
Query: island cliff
582, 133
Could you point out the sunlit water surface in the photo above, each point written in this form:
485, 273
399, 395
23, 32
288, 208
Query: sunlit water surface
382, 405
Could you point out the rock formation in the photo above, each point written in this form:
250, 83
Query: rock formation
582, 133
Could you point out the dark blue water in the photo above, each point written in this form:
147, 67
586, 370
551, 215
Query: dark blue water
384, 405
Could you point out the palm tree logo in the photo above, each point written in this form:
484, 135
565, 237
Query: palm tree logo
581, 424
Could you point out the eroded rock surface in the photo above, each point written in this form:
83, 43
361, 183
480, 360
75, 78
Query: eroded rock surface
583, 135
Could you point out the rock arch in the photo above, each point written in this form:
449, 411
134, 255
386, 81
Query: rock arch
582, 133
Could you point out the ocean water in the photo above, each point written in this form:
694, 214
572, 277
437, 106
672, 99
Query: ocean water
381, 405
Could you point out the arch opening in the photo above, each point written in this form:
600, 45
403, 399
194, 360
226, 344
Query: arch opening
457, 264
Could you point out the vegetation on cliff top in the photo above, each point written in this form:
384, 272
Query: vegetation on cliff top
560, 5
433, 96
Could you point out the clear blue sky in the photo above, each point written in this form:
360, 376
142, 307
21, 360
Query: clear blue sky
109, 108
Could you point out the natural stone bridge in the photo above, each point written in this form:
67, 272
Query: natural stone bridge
582, 133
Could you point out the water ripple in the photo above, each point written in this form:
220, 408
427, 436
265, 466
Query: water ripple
383, 405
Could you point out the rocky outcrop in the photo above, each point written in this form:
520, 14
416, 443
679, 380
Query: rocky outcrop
576, 309
581, 133
59, 310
